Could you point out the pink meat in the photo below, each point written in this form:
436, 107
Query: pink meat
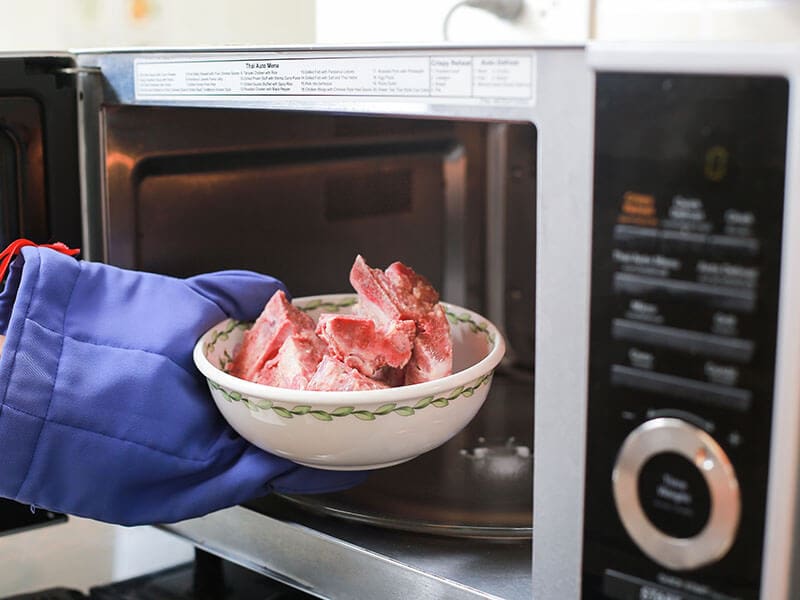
432, 357
399, 293
400, 335
414, 296
295, 363
359, 343
375, 296
333, 375
278, 321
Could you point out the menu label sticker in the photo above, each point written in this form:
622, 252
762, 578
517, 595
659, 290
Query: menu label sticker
458, 78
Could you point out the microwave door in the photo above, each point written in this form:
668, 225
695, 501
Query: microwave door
39, 177
39, 193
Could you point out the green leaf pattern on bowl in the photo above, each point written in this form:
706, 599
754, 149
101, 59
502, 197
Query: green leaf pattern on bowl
221, 335
466, 319
225, 359
347, 411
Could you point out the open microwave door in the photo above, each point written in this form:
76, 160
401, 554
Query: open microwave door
39, 180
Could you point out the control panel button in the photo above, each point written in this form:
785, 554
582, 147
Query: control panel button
683, 340
676, 494
638, 238
728, 246
715, 296
684, 242
621, 586
682, 388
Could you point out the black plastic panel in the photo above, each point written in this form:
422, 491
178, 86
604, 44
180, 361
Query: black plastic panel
15, 517
688, 204
38, 121
39, 181
9, 188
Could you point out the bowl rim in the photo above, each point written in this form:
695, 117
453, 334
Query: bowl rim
360, 397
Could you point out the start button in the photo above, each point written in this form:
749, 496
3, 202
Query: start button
676, 494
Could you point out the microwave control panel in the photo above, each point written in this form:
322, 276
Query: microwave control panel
688, 213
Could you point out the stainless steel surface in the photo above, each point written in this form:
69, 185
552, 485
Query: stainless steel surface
316, 189
516, 255
510, 243
781, 578
698, 447
91, 154
563, 249
496, 225
330, 558
477, 485
119, 87
456, 231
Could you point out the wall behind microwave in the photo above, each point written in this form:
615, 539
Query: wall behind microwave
117, 23
421, 21
121, 23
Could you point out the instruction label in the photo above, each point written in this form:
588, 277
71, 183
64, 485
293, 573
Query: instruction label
470, 78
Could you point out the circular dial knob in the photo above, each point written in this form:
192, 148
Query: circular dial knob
676, 493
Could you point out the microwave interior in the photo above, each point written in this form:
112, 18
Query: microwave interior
298, 195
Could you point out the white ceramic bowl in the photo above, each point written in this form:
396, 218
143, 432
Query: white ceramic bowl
353, 430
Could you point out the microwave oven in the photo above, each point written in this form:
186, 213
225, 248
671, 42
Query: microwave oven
622, 212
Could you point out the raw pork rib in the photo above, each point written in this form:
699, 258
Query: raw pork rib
375, 294
433, 350
401, 293
359, 343
278, 321
332, 374
295, 363
399, 336
413, 294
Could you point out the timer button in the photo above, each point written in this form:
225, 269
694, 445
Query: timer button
714, 296
676, 494
682, 388
636, 238
684, 340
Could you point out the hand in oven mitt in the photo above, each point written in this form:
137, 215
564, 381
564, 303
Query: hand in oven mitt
102, 412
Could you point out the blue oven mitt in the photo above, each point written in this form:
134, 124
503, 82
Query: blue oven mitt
102, 412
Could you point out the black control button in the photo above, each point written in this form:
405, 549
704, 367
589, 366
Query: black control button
684, 340
684, 242
682, 388
621, 586
715, 296
636, 238
728, 246
674, 495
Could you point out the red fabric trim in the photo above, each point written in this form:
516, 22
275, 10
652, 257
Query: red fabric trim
7, 255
